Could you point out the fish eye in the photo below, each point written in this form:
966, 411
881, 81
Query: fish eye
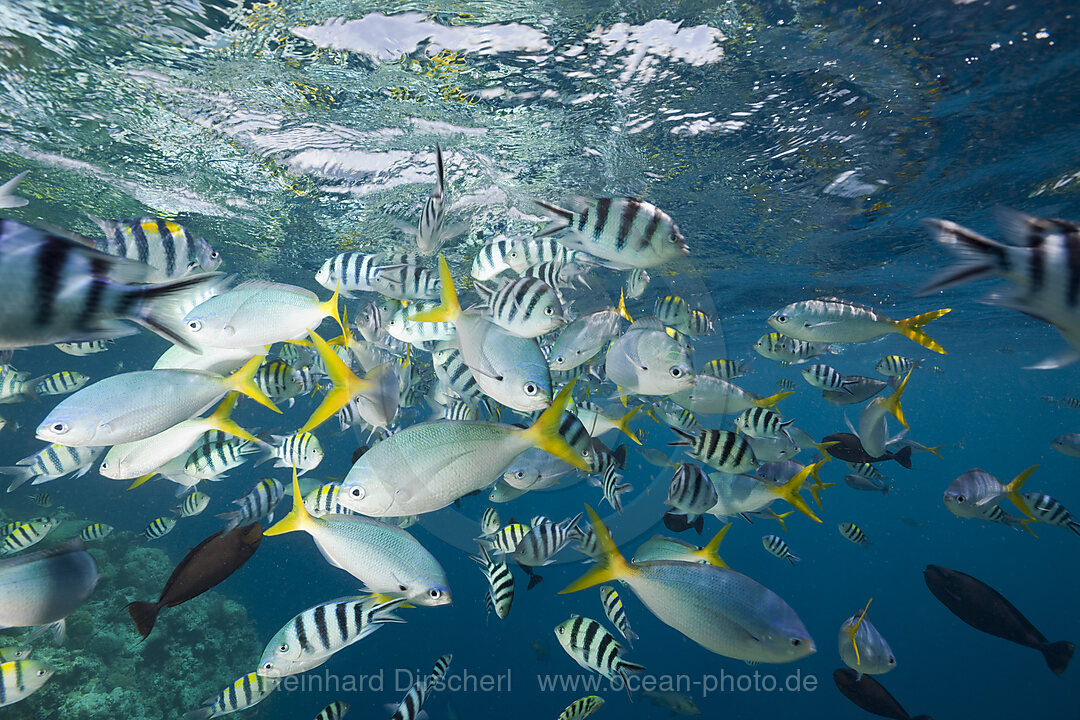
796, 642
959, 498
195, 325
531, 389
402, 588
282, 648
357, 492
549, 311
559, 360
519, 474
59, 428
806, 324
434, 593
781, 318
676, 372
892, 661
41, 673
104, 465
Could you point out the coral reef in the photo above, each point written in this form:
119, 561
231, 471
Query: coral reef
104, 671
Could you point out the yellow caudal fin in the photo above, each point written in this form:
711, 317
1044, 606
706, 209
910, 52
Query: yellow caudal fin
243, 381
330, 307
449, 308
822, 448
789, 491
346, 385
770, 402
611, 565
892, 403
853, 630
220, 420
298, 518
1024, 522
709, 553
622, 307
544, 433
1013, 490
380, 599
779, 517
623, 424
910, 328
140, 481
815, 489
934, 451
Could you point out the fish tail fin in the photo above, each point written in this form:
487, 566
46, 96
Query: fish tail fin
687, 438
771, 401
220, 419
243, 381
911, 329
610, 566
534, 580
1013, 490
789, 491
544, 433
980, 256
141, 480
1057, 655
903, 457
331, 308
21, 473
892, 403
853, 630
822, 448
559, 218
449, 307
346, 384
623, 423
145, 615
781, 517
298, 518
709, 552
157, 307
621, 309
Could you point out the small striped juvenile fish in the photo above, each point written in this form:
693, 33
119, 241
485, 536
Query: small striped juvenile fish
613, 491
674, 416
323, 500
1050, 511
691, 492
192, 504
538, 546
96, 531
81, 349
19, 679
725, 369
785, 384
896, 366
699, 323
776, 545
349, 272
10, 654
854, 534
26, 534
213, 460
52, 462
168, 247
429, 230
867, 470
43, 499
582, 708
310, 638
824, 377
159, 527
490, 260
775, 346
278, 380
613, 608
500, 583
505, 541
527, 253
302, 451
489, 521
413, 702
16, 386
626, 231
674, 312
719, 449
246, 692
559, 276
594, 648
334, 711
759, 422
61, 383
637, 280
526, 306
262, 500
407, 282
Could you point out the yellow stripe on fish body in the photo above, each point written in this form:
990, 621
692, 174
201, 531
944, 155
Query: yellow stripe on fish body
776, 546
613, 608
26, 534
725, 369
193, 504
506, 540
61, 383
19, 679
159, 527
582, 708
245, 692
852, 532
96, 531
896, 366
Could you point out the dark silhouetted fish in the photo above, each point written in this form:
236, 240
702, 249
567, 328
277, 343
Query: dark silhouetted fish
870, 695
207, 564
849, 449
984, 608
678, 522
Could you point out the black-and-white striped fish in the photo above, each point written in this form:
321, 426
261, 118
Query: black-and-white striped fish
245, 692
278, 380
349, 272
19, 679
613, 608
505, 541
334, 711
581, 708
699, 323
500, 582
526, 253
490, 260
1043, 265
61, 383
896, 366
489, 522
50, 463
193, 504
407, 282
26, 534
776, 546
760, 422
95, 531
852, 532
613, 490
785, 384
452, 370
81, 349
458, 409
323, 500
825, 377
674, 416
774, 346
159, 527
59, 290
559, 275
168, 247
42, 499
429, 230
213, 460
594, 648
413, 702
310, 638
637, 281
16, 386
302, 451
1050, 511
625, 231
262, 500
719, 449
691, 492
725, 369
525, 306
866, 470
543, 541
673, 311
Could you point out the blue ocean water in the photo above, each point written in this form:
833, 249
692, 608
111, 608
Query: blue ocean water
797, 145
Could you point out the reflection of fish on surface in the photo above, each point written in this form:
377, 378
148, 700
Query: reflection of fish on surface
674, 702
